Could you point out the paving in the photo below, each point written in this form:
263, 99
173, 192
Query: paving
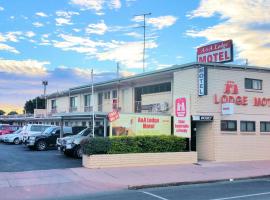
17, 158
58, 183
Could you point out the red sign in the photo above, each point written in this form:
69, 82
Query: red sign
216, 53
180, 107
112, 116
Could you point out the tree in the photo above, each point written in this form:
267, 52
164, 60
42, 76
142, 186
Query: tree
2, 112
12, 113
32, 104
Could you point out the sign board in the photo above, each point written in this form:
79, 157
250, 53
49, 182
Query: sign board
182, 116
220, 52
227, 108
112, 116
156, 107
203, 118
202, 81
139, 124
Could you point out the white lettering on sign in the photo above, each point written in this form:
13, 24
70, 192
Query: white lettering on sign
202, 81
219, 52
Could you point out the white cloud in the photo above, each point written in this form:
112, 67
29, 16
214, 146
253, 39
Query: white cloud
37, 24
244, 21
134, 34
12, 17
30, 34
158, 22
96, 5
76, 30
63, 21
1, 8
10, 36
5, 47
41, 14
24, 67
99, 28
65, 14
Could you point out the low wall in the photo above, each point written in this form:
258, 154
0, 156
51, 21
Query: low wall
138, 159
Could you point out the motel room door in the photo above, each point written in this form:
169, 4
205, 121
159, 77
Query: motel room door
193, 136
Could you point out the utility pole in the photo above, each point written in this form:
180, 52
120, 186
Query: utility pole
118, 77
93, 105
144, 29
45, 83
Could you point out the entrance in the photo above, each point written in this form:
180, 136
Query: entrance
193, 136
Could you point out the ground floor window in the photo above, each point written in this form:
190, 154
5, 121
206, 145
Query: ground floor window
265, 126
228, 125
247, 126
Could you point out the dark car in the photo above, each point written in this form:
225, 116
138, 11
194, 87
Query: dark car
48, 138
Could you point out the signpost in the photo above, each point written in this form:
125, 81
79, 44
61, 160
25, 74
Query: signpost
220, 52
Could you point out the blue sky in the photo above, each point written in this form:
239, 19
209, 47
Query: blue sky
60, 41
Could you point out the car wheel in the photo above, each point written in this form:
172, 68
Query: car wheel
16, 141
78, 152
41, 145
68, 153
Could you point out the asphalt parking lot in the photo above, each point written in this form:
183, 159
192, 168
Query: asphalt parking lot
16, 158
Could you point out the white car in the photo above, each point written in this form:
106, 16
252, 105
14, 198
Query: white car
15, 138
33, 129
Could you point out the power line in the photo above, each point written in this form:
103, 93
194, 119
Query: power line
144, 27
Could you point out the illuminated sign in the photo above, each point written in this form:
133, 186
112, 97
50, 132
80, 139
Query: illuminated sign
220, 52
202, 81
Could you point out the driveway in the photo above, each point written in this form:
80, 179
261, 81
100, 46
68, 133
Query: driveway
16, 158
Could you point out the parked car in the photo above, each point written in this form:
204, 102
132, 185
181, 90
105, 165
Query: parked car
15, 138
71, 145
7, 129
33, 129
48, 137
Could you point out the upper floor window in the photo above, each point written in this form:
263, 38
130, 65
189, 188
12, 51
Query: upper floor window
53, 103
114, 94
107, 95
254, 84
73, 102
247, 126
87, 100
228, 125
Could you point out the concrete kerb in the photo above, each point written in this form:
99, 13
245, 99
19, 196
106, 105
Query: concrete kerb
139, 187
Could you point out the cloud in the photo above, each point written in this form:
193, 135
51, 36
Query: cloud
238, 18
5, 47
30, 34
96, 5
158, 22
66, 14
41, 14
63, 21
1, 8
99, 28
24, 67
37, 24
134, 34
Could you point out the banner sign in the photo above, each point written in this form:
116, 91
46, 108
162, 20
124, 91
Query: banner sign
139, 124
202, 81
203, 118
112, 116
182, 117
220, 52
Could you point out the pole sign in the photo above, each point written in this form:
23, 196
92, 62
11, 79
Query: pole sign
182, 117
202, 81
112, 116
220, 52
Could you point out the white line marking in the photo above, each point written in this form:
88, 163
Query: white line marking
243, 196
153, 195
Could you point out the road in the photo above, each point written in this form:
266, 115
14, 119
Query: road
17, 158
257, 189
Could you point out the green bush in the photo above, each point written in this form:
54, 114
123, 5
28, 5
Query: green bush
137, 144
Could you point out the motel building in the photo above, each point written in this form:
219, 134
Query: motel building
224, 109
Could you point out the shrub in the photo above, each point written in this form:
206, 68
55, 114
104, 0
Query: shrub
136, 144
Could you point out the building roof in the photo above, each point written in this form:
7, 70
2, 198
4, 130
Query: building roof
157, 72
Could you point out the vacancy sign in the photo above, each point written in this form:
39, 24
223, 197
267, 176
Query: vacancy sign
220, 52
182, 116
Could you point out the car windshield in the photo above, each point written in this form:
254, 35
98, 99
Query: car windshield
85, 132
18, 131
48, 130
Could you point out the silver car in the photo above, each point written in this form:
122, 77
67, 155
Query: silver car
15, 138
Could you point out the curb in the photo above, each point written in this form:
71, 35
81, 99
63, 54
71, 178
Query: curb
138, 187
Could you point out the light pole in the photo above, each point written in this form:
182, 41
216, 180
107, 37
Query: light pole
93, 112
45, 83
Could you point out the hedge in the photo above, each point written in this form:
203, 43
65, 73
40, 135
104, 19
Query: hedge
136, 144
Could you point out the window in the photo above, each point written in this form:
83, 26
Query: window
228, 125
150, 89
114, 94
107, 95
87, 100
253, 84
53, 104
247, 126
265, 126
73, 102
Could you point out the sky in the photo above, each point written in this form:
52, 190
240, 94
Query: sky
61, 41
